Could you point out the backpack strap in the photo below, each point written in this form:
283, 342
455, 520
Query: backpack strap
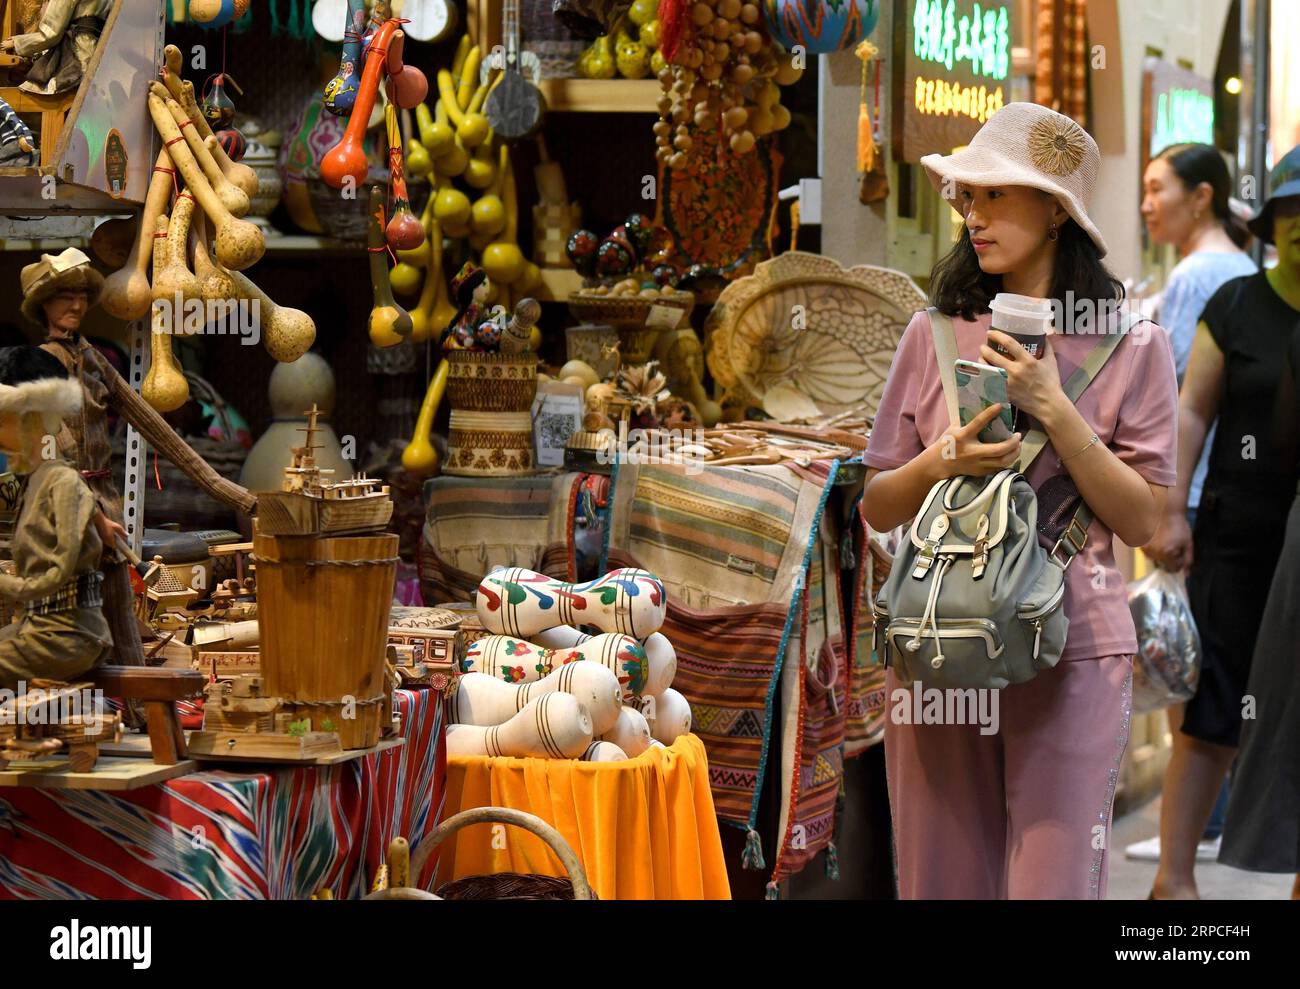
1032, 443
945, 349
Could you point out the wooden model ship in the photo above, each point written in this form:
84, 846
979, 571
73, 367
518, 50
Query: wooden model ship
308, 504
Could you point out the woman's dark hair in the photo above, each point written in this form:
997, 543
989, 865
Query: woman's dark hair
959, 286
1197, 163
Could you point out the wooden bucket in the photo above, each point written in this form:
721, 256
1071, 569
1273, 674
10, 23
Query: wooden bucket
323, 606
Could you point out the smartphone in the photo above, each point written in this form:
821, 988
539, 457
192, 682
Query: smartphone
978, 387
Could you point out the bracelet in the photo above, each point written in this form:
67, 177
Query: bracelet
1086, 447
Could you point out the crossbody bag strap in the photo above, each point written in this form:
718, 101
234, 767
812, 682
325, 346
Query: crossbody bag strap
945, 351
1075, 536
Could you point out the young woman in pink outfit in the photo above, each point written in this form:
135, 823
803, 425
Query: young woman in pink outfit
1025, 812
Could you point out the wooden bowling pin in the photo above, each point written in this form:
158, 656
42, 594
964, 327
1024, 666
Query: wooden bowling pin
603, 752
630, 733
669, 715
482, 700
660, 654
514, 601
513, 660
554, 726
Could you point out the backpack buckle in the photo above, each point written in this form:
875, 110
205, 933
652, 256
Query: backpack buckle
930, 548
1076, 534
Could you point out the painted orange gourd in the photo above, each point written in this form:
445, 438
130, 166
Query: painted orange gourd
347, 159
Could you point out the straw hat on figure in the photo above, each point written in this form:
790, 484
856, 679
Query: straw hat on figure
58, 290
56, 547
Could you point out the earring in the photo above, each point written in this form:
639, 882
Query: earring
1051, 233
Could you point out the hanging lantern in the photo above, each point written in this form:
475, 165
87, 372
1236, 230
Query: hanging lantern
820, 26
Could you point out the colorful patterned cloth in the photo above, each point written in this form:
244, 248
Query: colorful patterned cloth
475, 524
270, 834
865, 724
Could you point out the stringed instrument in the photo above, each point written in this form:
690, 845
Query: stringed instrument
515, 108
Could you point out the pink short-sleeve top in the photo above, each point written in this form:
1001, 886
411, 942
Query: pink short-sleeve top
1132, 405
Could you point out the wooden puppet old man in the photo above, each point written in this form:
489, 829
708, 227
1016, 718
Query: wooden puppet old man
57, 292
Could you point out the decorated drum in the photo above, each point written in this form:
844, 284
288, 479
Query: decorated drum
483, 382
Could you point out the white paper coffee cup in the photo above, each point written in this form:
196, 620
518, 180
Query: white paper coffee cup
1025, 319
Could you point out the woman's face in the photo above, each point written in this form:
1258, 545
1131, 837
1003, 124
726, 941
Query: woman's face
1168, 206
1009, 225
1286, 231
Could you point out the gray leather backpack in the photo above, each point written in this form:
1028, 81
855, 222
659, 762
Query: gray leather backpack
973, 599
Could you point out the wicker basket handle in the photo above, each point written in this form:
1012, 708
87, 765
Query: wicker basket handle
519, 818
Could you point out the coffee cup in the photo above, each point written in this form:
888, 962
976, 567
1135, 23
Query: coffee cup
1023, 318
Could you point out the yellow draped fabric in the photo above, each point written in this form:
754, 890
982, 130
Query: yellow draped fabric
643, 828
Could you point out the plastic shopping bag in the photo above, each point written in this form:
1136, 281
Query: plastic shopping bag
1168, 661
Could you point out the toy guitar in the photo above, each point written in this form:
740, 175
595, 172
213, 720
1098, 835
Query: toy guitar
515, 107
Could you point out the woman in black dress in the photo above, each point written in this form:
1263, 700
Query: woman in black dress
1262, 831
1236, 368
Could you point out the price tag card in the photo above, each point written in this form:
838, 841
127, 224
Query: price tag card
664, 317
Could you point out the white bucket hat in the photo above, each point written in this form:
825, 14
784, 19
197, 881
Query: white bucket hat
1026, 144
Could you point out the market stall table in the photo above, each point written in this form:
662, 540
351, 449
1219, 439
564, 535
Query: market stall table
275, 833
643, 828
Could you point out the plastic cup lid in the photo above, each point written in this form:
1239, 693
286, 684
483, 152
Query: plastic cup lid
1021, 313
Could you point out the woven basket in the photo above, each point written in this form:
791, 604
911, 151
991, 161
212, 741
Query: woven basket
507, 886
482, 382
344, 217
628, 314
489, 444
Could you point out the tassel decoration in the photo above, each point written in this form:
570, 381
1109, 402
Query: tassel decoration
752, 856
832, 862
672, 27
773, 892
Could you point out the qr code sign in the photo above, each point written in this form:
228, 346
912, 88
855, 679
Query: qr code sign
554, 429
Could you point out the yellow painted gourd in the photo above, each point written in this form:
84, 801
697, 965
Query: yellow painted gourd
420, 458
164, 386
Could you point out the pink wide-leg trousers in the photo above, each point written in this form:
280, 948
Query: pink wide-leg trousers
1024, 813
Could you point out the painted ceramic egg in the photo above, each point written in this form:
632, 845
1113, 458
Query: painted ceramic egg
639, 228
667, 274
581, 249
613, 257
488, 334
660, 246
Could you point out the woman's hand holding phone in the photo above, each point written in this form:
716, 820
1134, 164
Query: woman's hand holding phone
961, 453
1033, 385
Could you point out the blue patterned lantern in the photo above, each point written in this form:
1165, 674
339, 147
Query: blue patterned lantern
820, 26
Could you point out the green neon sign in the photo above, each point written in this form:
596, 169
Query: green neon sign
1182, 116
979, 37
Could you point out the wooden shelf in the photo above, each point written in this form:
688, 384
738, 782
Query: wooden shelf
602, 95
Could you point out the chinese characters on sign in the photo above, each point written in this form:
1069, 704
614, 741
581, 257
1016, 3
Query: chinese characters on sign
1177, 107
956, 56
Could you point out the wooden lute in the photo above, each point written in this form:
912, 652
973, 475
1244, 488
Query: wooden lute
515, 107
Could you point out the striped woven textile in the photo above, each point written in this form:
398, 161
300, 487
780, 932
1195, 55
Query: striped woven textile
270, 834
731, 546
473, 524
865, 725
